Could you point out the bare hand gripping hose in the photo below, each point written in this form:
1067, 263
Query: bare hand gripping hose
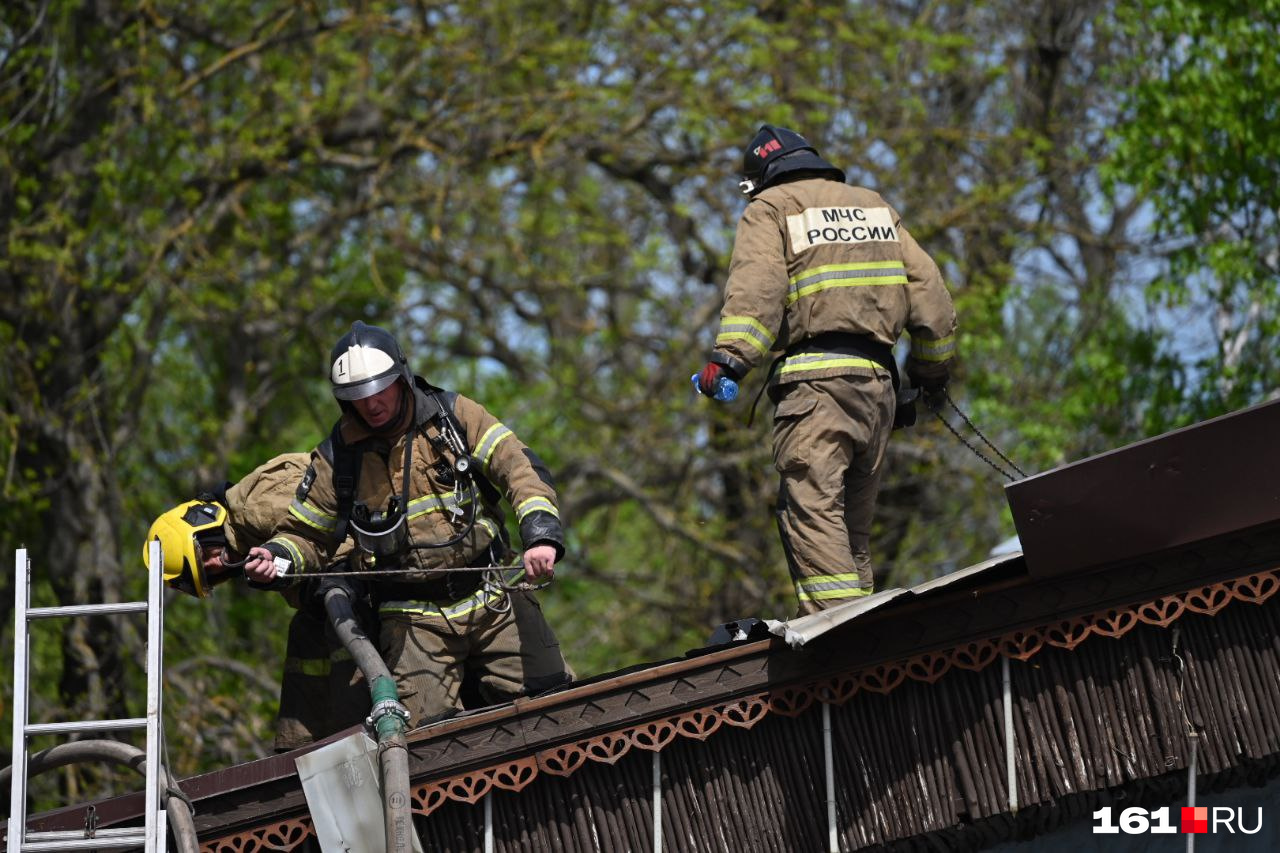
388, 717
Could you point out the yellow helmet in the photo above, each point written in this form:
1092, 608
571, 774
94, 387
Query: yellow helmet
179, 530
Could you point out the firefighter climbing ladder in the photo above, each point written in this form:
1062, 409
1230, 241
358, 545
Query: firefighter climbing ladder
152, 834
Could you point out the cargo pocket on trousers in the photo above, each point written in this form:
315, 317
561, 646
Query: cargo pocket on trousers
790, 451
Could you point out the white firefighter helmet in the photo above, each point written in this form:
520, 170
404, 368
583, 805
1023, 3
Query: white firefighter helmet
366, 360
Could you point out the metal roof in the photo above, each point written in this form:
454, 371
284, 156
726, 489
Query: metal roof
991, 608
801, 630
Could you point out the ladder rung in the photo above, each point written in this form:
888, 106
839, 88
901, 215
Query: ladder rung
86, 726
74, 834
86, 610
114, 832
104, 839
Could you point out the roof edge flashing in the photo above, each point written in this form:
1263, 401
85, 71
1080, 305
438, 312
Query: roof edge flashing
1157, 495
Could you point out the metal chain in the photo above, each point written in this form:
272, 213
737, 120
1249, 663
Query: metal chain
978, 432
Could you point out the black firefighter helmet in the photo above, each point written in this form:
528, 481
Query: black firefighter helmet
775, 151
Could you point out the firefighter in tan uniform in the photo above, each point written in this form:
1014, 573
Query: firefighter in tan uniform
415, 476
321, 690
826, 273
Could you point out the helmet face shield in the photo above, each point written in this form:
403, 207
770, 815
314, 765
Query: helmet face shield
218, 572
361, 390
176, 530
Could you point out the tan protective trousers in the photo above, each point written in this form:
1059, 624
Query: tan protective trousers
322, 690
509, 651
829, 438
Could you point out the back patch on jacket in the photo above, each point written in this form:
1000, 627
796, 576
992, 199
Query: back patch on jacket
817, 226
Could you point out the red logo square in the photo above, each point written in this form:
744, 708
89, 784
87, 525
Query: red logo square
1195, 819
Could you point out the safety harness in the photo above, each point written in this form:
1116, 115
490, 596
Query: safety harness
346, 458
449, 438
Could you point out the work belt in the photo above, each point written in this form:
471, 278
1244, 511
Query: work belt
849, 344
451, 587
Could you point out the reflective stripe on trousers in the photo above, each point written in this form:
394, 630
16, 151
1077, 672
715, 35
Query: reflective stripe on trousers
832, 587
316, 666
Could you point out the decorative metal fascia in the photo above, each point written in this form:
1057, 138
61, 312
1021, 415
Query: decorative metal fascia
701, 723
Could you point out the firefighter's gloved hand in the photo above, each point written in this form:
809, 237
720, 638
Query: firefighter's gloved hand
268, 566
718, 382
935, 397
708, 377
932, 380
929, 376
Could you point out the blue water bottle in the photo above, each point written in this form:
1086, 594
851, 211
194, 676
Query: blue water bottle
726, 390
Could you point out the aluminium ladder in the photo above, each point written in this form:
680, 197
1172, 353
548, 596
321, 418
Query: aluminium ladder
152, 835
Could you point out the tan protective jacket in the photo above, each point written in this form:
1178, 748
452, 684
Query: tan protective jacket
321, 691
258, 503
437, 510
815, 256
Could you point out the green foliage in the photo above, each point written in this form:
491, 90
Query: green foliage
1199, 139
196, 199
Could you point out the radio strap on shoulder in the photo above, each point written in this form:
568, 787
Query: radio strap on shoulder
445, 400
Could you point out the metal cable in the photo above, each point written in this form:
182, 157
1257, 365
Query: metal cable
492, 575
